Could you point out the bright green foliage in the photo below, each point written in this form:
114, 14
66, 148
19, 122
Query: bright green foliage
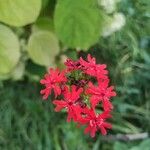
43, 46
77, 23
9, 50
19, 12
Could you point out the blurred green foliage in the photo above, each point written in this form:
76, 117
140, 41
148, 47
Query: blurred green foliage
27, 122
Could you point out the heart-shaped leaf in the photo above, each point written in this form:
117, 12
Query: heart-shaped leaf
77, 23
43, 46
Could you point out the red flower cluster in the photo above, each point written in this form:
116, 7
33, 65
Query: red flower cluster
80, 89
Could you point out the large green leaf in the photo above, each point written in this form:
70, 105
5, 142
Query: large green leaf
77, 23
43, 46
9, 50
19, 12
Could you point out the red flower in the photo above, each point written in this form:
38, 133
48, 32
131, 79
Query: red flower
95, 122
69, 102
101, 93
90, 67
72, 65
78, 94
52, 80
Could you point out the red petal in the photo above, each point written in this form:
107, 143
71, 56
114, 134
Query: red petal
87, 129
103, 130
107, 125
107, 105
57, 91
93, 131
60, 104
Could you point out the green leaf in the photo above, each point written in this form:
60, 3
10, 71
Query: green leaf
9, 50
43, 46
19, 12
15, 74
77, 23
120, 146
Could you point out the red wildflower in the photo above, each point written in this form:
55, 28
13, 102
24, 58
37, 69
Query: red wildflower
72, 65
90, 67
52, 80
69, 102
78, 94
95, 122
101, 93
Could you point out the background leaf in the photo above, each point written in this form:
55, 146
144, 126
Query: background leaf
43, 46
19, 12
77, 23
9, 50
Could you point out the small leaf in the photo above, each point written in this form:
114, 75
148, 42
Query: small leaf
77, 23
19, 12
9, 50
43, 46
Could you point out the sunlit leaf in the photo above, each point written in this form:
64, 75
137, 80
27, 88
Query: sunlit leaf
9, 50
43, 46
19, 12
